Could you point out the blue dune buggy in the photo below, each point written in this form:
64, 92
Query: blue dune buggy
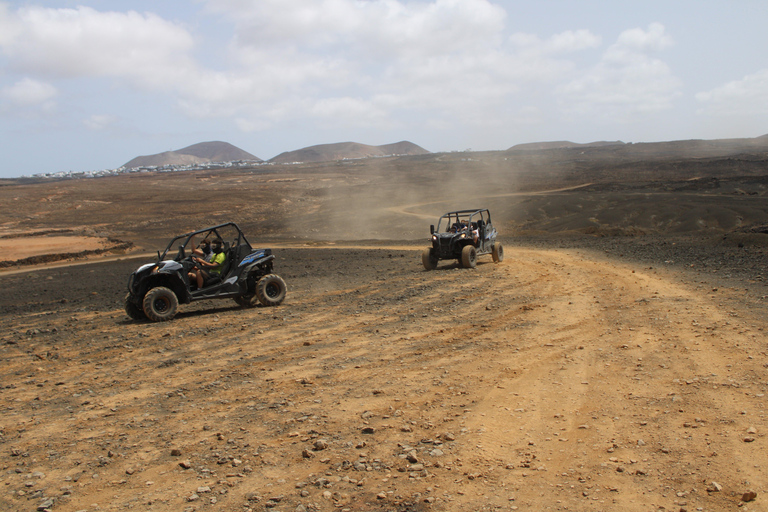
156, 289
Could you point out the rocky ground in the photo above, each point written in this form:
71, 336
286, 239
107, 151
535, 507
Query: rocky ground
579, 374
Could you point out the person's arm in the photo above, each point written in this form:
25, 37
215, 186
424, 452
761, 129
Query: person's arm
204, 264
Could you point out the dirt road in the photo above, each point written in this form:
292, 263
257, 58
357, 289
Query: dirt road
560, 379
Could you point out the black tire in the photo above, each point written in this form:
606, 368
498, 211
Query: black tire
498, 252
160, 304
133, 310
469, 256
244, 300
429, 259
270, 290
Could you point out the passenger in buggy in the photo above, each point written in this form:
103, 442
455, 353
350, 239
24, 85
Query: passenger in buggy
208, 273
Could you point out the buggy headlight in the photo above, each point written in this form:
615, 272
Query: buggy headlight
155, 269
434, 237
463, 235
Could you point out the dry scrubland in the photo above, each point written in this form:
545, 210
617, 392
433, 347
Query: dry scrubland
616, 359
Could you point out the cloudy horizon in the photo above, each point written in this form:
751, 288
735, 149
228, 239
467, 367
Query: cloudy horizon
83, 87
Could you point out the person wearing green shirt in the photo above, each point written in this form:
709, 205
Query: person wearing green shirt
208, 271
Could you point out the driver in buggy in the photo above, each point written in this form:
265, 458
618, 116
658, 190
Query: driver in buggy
207, 273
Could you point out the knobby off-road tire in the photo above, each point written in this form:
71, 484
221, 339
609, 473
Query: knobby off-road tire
270, 290
429, 259
132, 310
244, 300
160, 304
249, 300
469, 256
497, 252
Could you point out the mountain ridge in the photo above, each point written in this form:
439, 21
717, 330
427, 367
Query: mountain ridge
347, 150
202, 152
218, 151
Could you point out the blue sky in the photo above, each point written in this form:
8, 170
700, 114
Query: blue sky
89, 85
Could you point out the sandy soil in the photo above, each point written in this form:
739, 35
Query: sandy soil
616, 360
26, 247
560, 379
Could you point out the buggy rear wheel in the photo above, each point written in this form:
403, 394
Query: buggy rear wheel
160, 304
429, 259
270, 290
244, 301
498, 252
469, 256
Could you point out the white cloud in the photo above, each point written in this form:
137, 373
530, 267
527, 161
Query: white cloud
83, 42
29, 92
350, 111
564, 42
363, 63
360, 62
627, 81
654, 38
251, 125
99, 122
748, 96
445, 58
373, 27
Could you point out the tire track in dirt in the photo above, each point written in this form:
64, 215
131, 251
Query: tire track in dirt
559, 378
602, 386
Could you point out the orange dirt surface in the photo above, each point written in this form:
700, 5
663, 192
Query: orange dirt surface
26, 247
559, 379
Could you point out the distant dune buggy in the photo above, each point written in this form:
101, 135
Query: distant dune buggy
462, 235
156, 289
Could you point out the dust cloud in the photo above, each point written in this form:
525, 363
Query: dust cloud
397, 199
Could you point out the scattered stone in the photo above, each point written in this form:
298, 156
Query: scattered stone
185, 464
320, 444
175, 452
748, 496
48, 503
714, 487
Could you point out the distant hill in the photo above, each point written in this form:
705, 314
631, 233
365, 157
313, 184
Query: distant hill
535, 146
342, 150
692, 148
203, 152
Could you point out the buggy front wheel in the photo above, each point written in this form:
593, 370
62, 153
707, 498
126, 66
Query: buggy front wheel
469, 256
133, 310
270, 290
160, 304
429, 259
497, 252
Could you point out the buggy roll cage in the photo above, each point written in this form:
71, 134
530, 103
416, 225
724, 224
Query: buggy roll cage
211, 232
458, 216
